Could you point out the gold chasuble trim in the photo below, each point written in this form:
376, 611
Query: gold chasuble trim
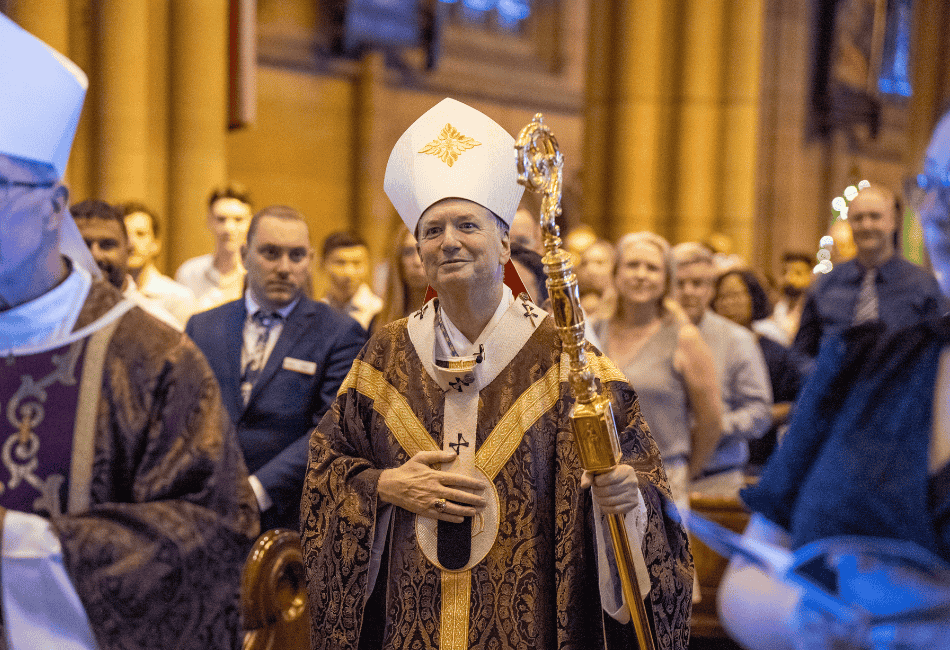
84, 431
491, 457
456, 599
600, 365
507, 434
391, 405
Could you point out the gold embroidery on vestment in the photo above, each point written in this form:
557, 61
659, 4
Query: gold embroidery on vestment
491, 457
507, 434
456, 594
20, 451
600, 365
391, 405
449, 145
84, 432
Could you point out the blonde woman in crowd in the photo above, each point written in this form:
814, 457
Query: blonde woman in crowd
663, 357
405, 279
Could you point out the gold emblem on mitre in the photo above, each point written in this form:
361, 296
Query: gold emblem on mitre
449, 145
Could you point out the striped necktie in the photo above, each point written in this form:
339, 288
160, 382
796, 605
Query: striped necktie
866, 308
265, 322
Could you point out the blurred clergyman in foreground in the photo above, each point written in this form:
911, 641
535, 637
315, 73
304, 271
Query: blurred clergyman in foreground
867, 457
126, 511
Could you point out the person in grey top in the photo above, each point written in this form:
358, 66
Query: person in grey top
743, 378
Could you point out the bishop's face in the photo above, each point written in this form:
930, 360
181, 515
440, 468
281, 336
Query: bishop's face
463, 248
30, 213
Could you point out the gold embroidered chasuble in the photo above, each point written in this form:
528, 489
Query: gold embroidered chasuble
537, 585
156, 516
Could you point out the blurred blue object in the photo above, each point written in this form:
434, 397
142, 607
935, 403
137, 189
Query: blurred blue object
857, 592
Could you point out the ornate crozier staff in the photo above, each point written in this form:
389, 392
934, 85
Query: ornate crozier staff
595, 433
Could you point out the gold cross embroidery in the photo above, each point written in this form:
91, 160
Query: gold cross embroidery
449, 145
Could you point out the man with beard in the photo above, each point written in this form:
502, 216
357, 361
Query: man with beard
796, 278
103, 229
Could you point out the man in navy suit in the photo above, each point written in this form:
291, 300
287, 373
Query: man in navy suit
279, 357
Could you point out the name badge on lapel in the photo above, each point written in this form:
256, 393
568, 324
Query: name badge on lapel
301, 366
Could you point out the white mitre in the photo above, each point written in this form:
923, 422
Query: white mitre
41, 98
453, 151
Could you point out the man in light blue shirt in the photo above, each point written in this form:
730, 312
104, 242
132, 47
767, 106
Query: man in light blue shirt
743, 377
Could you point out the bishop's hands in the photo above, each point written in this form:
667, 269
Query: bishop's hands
615, 491
418, 487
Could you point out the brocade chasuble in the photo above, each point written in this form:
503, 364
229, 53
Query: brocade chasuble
116, 433
533, 584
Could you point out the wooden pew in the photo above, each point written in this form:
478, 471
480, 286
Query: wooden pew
710, 566
274, 594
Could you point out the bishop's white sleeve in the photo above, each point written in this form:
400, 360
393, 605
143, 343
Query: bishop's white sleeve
41, 608
611, 594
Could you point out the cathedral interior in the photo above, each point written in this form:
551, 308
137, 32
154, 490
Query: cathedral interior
734, 120
684, 117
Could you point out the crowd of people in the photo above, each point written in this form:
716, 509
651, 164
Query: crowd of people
418, 435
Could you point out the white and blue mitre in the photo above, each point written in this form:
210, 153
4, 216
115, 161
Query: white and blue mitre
42, 98
453, 151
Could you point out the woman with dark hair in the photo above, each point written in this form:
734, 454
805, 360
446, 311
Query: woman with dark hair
740, 297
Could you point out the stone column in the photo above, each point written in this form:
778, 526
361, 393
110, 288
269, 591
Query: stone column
671, 117
371, 216
739, 159
597, 118
700, 114
49, 21
198, 47
123, 101
157, 143
83, 170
